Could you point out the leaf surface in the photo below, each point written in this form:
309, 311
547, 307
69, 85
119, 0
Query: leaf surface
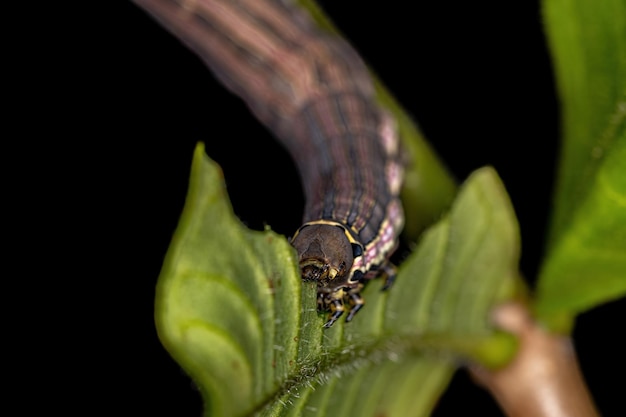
232, 310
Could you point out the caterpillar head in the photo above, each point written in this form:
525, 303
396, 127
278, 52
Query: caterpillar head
325, 253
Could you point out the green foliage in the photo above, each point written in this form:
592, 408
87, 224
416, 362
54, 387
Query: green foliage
586, 260
232, 310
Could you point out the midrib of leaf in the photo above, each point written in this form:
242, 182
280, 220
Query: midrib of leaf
339, 384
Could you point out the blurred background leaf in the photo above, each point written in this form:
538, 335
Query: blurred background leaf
586, 262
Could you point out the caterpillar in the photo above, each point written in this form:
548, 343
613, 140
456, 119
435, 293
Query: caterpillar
313, 91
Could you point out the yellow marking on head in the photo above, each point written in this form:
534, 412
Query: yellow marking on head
350, 233
332, 273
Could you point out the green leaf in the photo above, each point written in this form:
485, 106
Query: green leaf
232, 310
585, 264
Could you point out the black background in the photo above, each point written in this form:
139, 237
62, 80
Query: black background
477, 78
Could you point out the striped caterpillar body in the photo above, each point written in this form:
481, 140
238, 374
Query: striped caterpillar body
353, 215
314, 92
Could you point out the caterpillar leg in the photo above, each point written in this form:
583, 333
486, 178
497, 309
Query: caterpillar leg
336, 311
389, 271
356, 301
321, 304
333, 302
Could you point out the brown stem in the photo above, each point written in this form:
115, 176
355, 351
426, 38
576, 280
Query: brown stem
543, 379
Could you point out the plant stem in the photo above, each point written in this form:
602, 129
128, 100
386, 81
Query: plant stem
544, 379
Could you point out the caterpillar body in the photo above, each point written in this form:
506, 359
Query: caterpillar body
314, 92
